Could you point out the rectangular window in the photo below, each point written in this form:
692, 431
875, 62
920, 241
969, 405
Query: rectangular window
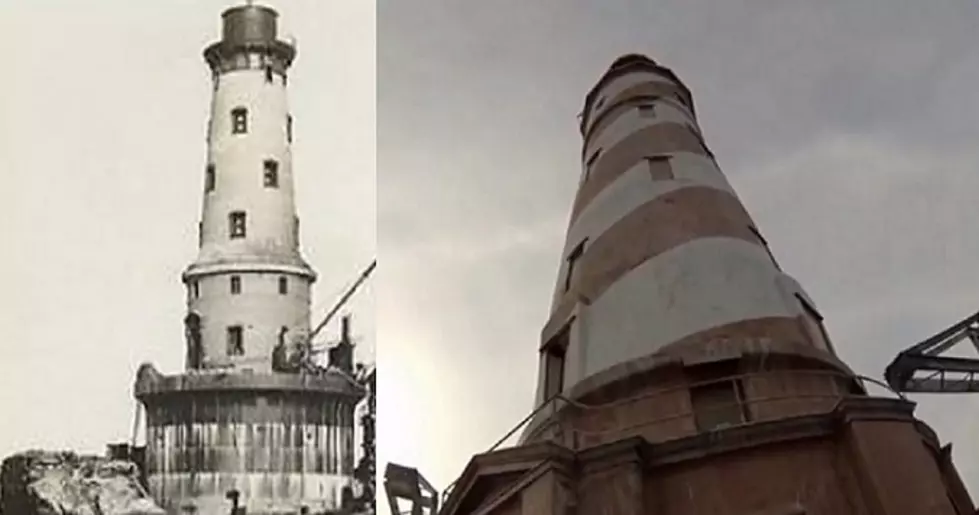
659, 167
647, 110
591, 162
210, 178
239, 120
236, 341
573, 258
200, 234
289, 128
554, 361
236, 224
718, 405
814, 325
271, 174
195, 289
268, 74
235, 284
283, 285
295, 229
593, 158
761, 239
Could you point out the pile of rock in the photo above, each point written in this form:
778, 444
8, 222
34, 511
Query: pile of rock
64, 483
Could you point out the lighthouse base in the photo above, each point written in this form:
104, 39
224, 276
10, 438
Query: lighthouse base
278, 443
865, 456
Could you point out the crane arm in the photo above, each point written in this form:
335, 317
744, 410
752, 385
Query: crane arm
922, 368
343, 300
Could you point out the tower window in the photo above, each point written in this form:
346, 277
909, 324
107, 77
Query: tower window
659, 167
718, 405
236, 224
764, 243
647, 110
554, 360
268, 74
210, 178
271, 175
295, 229
239, 120
200, 234
283, 285
195, 289
236, 341
814, 325
289, 128
573, 258
235, 284
591, 162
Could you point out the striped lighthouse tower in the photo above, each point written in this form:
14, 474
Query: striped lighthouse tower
681, 370
660, 256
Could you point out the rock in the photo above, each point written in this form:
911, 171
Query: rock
64, 483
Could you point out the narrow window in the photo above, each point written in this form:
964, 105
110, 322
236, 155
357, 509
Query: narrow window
283, 285
195, 289
268, 74
236, 341
295, 229
573, 258
659, 167
764, 243
814, 325
718, 405
647, 110
235, 284
239, 120
593, 158
591, 162
236, 223
289, 128
271, 175
200, 234
554, 361
700, 140
210, 178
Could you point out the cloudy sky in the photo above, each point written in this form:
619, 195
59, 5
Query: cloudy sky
102, 144
848, 128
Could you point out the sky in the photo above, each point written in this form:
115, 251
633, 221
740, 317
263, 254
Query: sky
848, 127
102, 145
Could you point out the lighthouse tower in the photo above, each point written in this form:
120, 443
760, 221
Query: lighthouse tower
249, 286
240, 425
681, 370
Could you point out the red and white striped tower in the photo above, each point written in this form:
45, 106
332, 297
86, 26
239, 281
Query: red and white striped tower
661, 257
681, 370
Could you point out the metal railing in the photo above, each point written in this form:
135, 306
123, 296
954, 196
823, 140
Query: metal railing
833, 390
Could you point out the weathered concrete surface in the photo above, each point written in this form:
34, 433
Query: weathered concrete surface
64, 483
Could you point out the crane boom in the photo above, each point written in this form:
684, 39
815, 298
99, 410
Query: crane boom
922, 368
343, 300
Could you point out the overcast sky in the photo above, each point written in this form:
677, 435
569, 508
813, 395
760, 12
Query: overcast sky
103, 111
848, 128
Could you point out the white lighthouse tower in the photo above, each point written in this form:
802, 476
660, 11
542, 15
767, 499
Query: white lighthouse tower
252, 422
249, 287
